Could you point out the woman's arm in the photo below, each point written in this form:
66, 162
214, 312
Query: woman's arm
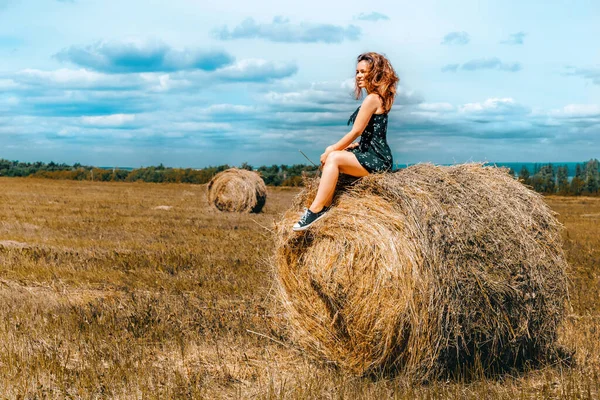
368, 107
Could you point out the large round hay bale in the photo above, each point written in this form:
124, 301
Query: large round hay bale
237, 190
428, 271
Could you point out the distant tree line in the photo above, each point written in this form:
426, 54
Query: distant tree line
545, 178
285, 175
274, 175
550, 179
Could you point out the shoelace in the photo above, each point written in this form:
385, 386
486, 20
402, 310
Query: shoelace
304, 217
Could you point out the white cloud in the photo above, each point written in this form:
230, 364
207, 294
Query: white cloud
373, 16
312, 98
76, 79
8, 84
330, 96
201, 126
498, 106
436, 106
142, 56
282, 30
228, 109
456, 38
515, 38
247, 70
256, 70
113, 120
577, 111
493, 63
591, 73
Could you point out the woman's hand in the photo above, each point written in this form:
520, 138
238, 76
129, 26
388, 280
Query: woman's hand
324, 156
351, 146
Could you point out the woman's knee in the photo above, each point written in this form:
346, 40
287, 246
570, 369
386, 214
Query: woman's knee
334, 158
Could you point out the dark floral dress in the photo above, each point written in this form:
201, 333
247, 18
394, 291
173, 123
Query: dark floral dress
373, 152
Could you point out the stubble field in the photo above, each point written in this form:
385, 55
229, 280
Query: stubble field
137, 290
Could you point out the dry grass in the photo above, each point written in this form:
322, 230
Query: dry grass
108, 297
237, 190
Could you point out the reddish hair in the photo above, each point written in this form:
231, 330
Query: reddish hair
380, 79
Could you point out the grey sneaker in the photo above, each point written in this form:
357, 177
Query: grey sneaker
309, 218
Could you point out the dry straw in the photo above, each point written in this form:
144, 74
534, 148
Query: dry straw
237, 190
427, 271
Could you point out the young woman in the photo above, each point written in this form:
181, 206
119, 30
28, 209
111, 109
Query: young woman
375, 74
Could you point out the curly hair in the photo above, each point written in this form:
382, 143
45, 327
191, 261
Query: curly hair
380, 79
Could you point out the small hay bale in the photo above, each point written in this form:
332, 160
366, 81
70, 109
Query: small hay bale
237, 190
429, 271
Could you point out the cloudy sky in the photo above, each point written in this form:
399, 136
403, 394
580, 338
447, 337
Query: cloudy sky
196, 83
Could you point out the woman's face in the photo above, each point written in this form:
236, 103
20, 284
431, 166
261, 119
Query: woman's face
362, 68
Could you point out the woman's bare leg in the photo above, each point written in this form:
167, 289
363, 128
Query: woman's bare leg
337, 161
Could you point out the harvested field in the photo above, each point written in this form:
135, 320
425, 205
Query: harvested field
112, 298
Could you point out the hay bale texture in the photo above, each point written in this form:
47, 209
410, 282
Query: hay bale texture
426, 271
237, 190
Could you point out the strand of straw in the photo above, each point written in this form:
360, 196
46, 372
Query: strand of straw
307, 158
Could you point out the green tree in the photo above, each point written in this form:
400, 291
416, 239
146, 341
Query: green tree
246, 166
524, 175
591, 177
119, 175
549, 179
562, 179
543, 180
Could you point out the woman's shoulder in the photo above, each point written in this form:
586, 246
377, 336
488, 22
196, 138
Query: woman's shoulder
372, 100
373, 103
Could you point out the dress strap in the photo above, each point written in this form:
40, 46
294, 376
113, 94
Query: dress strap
353, 116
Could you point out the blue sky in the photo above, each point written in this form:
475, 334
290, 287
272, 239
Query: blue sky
195, 83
